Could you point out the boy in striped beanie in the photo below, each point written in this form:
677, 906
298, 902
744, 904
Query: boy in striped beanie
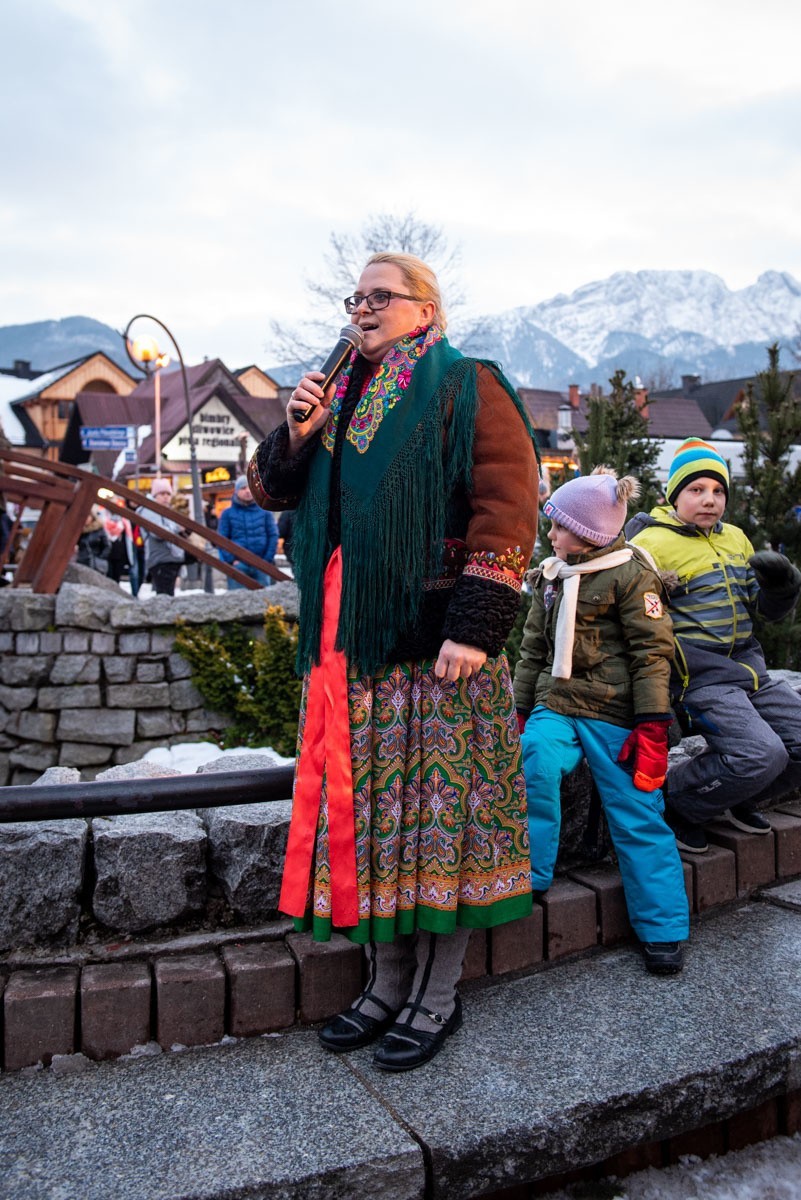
719, 685
696, 459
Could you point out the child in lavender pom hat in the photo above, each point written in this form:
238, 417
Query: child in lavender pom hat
592, 682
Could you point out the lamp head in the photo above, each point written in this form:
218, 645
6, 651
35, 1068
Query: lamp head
145, 348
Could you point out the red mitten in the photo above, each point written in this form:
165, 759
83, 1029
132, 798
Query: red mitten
647, 746
521, 720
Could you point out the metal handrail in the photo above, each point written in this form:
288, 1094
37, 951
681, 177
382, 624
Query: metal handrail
116, 797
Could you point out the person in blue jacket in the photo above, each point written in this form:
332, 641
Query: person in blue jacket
249, 526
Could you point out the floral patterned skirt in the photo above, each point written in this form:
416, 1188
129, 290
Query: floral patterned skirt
439, 805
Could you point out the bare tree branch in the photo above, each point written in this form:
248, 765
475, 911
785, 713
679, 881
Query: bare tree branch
342, 265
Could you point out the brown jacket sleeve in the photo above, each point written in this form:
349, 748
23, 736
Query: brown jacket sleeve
502, 525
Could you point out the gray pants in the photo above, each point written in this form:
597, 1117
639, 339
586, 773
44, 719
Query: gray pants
751, 738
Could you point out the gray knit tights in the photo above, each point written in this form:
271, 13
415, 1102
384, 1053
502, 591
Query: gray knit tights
416, 969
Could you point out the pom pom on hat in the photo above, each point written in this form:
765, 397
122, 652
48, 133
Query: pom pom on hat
695, 459
593, 507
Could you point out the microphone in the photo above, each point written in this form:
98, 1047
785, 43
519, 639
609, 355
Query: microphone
350, 338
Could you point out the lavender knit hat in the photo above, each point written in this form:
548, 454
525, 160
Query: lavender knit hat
593, 507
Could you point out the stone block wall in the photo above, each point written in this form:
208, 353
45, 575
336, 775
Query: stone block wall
98, 917
82, 882
90, 677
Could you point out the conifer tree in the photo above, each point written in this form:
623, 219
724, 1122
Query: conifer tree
769, 419
618, 436
764, 500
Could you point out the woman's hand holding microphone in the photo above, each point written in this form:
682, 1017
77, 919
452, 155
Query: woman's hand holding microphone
310, 403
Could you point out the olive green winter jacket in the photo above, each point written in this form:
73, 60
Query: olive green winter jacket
622, 649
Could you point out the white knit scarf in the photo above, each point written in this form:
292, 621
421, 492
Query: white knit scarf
569, 573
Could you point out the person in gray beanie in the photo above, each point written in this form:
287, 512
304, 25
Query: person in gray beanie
592, 682
251, 527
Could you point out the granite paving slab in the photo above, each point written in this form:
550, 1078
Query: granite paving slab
569, 1066
270, 1117
788, 894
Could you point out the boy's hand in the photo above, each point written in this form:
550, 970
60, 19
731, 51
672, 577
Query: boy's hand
647, 746
774, 571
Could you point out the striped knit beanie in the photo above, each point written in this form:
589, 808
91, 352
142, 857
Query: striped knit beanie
695, 459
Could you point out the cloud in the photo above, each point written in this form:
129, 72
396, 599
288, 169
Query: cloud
193, 157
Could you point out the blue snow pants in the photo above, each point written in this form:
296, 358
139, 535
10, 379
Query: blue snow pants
653, 878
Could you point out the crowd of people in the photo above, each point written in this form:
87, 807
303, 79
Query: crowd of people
115, 545
427, 793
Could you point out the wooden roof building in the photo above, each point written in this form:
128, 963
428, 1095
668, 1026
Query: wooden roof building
231, 413
46, 408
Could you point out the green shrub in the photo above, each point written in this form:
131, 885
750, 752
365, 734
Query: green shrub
247, 678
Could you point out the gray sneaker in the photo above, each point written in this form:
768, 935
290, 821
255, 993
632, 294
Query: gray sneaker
747, 819
689, 837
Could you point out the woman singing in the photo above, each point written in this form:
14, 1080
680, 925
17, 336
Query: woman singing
415, 481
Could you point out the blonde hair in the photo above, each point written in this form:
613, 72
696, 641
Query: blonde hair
419, 279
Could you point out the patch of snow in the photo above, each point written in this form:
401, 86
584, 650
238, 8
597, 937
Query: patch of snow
144, 1050
188, 756
768, 1171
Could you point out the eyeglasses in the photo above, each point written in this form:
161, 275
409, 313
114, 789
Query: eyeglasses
374, 301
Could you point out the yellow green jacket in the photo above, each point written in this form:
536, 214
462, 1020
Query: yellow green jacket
713, 595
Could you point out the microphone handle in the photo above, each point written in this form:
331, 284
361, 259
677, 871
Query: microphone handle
330, 368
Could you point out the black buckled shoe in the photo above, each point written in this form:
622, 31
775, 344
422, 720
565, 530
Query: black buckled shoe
350, 1030
404, 1048
663, 958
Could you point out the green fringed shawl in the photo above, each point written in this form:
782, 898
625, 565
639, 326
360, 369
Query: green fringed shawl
394, 500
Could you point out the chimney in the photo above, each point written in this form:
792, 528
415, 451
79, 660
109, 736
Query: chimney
689, 383
641, 397
573, 395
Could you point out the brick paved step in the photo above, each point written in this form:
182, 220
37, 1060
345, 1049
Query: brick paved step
552, 1071
105, 999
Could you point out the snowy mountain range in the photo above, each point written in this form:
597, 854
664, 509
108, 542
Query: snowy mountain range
656, 324
659, 325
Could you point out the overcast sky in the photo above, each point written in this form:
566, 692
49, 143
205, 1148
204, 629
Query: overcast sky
191, 157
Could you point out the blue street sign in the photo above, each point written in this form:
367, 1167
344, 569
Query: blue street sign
106, 431
108, 437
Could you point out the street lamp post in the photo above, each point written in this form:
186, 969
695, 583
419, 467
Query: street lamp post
197, 498
144, 353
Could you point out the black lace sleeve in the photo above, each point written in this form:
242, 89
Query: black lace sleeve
276, 480
482, 613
